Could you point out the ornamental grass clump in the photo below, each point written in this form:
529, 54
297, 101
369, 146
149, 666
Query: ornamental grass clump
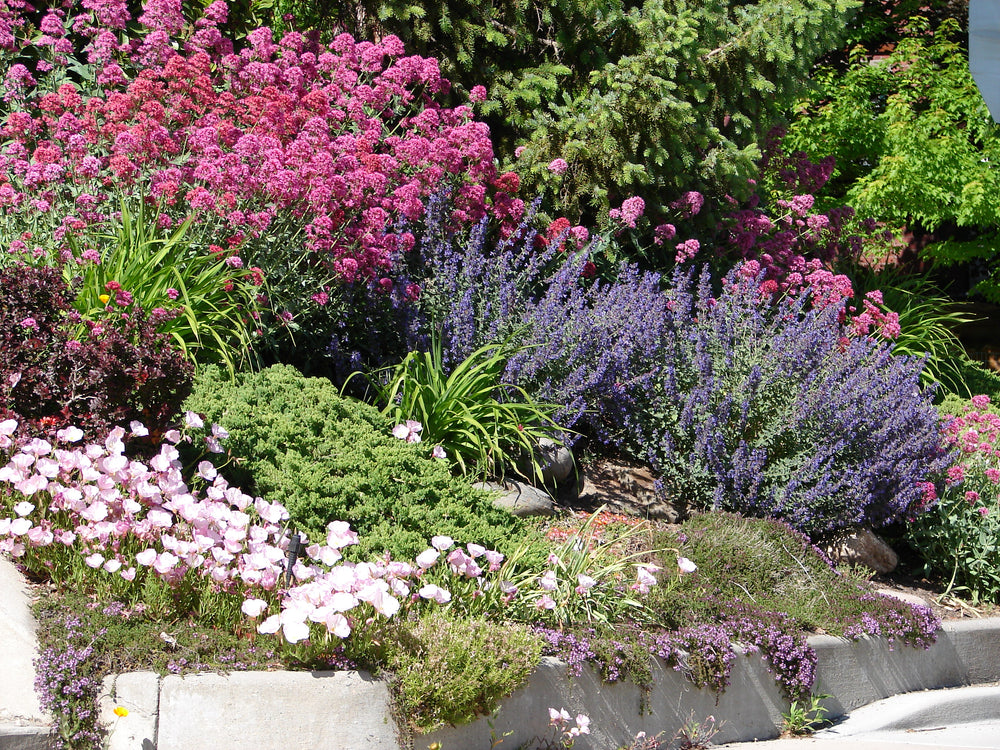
481, 425
776, 409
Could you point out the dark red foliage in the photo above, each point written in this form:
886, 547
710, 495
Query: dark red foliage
57, 370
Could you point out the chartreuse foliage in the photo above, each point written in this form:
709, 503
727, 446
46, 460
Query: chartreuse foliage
914, 142
450, 670
657, 97
296, 441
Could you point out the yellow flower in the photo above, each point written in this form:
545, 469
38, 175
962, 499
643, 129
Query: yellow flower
104, 298
121, 711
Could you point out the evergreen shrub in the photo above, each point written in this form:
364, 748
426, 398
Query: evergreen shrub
297, 441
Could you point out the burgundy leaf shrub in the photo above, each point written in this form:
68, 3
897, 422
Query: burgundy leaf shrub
57, 370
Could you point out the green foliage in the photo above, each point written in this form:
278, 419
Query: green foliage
764, 563
978, 380
449, 671
804, 716
459, 411
214, 299
296, 441
913, 140
655, 98
927, 322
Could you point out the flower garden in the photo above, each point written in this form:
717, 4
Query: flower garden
275, 305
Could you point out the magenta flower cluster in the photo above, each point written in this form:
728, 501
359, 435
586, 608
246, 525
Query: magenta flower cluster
331, 143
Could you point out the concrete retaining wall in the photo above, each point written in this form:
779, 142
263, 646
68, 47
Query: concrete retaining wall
350, 710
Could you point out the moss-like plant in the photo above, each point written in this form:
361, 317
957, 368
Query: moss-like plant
297, 441
450, 671
764, 565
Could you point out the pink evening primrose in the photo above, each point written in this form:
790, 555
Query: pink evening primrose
685, 565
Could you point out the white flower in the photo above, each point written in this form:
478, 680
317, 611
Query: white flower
253, 607
23, 508
441, 542
685, 565
427, 558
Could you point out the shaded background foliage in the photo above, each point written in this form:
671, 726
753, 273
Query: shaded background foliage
653, 98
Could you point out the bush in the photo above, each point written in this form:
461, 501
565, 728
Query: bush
957, 536
589, 345
296, 441
56, 370
302, 157
772, 409
450, 671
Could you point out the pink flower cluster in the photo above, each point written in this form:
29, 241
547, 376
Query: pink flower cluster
131, 518
337, 142
975, 433
828, 289
629, 213
127, 520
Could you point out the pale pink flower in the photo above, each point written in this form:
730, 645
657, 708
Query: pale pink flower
548, 581
427, 558
70, 434
436, 593
545, 602
441, 542
339, 534
253, 607
559, 717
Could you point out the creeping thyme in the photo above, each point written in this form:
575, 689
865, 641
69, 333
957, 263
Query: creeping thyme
67, 688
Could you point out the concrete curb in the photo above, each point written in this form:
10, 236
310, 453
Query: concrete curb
350, 710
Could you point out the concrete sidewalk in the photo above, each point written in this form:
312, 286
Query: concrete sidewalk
956, 718
23, 724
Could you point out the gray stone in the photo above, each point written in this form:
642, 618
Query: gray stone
556, 461
18, 648
139, 694
863, 547
275, 711
519, 498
